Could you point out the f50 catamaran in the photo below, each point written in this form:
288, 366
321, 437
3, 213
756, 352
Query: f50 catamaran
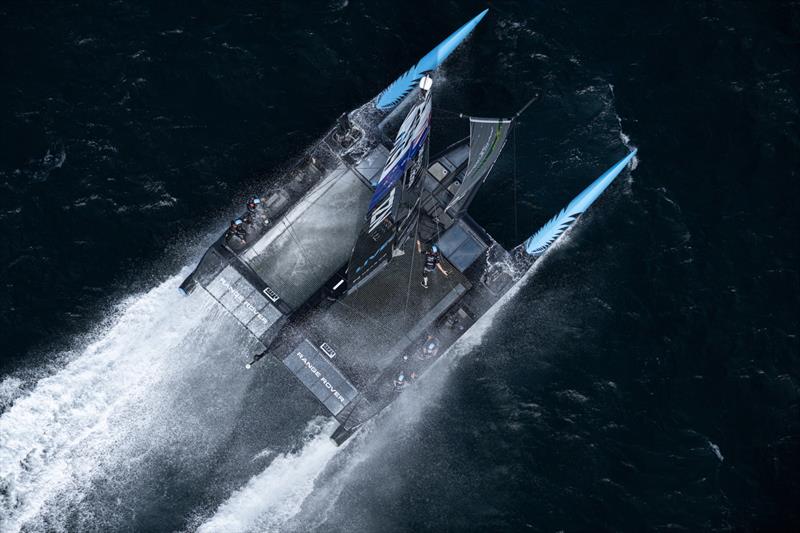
325, 270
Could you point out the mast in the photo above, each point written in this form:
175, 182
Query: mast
395, 201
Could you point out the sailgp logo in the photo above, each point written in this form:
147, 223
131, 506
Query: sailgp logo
241, 299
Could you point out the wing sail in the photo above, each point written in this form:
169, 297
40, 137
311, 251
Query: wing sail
487, 137
397, 189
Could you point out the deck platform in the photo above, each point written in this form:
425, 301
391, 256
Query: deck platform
369, 328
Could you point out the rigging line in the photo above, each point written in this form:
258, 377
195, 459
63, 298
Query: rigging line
516, 217
438, 239
425, 165
296, 240
413, 254
446, 118
457, 114
534, 99
319, 196
530, 102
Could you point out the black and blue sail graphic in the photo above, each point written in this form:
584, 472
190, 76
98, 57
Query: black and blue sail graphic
407, 144
374, 245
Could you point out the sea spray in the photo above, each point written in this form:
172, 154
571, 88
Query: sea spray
113, 406
275, 495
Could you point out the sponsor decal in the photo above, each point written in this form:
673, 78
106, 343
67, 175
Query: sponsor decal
241, 299
336, 394
381, 212
328, 385
272, 295
309, 365
325, 347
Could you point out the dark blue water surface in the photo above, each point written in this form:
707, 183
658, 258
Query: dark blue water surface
644, 378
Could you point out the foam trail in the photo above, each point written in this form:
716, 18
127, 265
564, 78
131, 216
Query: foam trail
273, 500
274, 496
112, 404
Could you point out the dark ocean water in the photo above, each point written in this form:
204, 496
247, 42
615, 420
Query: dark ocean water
644, 378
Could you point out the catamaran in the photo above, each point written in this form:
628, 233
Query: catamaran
329, 269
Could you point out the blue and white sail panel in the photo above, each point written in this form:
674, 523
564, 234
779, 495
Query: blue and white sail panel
550, 232
394, 93
374, 245
407, 144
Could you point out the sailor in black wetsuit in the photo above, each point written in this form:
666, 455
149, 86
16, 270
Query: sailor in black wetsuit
431, 263
252, 205
430, 349
255, 211
400, 382
236, 230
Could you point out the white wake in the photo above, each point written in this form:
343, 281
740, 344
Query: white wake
158, 383
276, 495
112, 406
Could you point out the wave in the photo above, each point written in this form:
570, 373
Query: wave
274, 496
112, 408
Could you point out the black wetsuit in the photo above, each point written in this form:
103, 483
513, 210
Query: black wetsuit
236, 230
431, 260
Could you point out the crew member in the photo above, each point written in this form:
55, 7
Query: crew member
252, 205
236, 230
255, 211
413, 374
400, 381
231, 231
432, 262
429, 349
